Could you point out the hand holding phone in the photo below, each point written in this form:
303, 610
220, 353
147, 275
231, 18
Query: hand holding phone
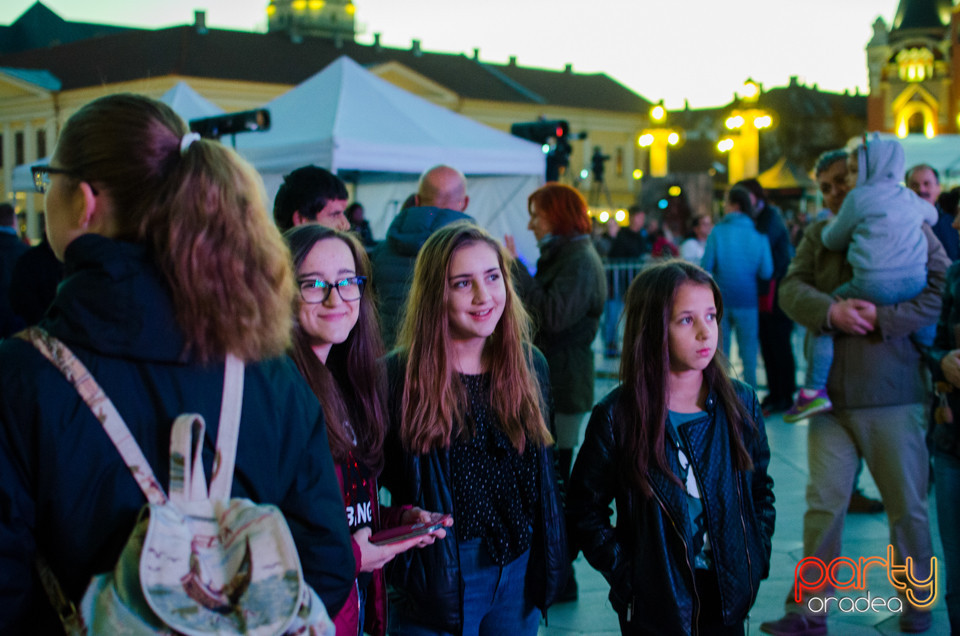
408, 531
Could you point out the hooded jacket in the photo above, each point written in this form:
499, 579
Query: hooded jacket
394, 258
66, 493
880, 219
647, 557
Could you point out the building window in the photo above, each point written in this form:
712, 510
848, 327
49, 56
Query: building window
18, 153
915, 65
41, 144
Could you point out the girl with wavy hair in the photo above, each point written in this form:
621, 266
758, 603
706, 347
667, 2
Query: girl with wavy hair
337, 347
172, 262
683, 451
469, 403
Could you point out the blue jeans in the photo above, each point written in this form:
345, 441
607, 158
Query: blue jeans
880, 293
745, 321
611, 325
946, 471
494, 598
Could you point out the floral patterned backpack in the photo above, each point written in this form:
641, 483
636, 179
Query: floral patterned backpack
197, 561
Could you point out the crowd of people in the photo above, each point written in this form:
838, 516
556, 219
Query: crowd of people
434, 366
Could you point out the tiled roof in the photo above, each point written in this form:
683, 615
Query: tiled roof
276, 58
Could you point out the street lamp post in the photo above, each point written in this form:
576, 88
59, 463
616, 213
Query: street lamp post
744, 148
658, 139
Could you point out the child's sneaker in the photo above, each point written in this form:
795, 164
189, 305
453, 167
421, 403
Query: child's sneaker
805, 406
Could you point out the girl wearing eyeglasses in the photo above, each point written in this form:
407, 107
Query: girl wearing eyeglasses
337, 347
469, 405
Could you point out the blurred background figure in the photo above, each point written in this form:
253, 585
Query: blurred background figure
739, 258
311, 195
629, 248
359, 225
662, 243
925, 181
566, 300
598, 167
34, 281
441, 199
774, 327
11, 248
692, 249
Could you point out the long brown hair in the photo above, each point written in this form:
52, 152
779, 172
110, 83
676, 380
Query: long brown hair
641, 411
434, 399
200, 211
351, 386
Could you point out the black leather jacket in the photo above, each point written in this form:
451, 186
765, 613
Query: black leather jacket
427, 580
646, 557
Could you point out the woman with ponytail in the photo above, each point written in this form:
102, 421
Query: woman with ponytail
172, 262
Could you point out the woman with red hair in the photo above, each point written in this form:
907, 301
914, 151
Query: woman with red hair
566, 299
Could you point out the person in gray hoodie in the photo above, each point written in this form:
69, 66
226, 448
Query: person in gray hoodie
879, 227
440, 200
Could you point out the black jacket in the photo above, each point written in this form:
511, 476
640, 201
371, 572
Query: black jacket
565, 301
64, 489
394, 257
646, 557
428, 580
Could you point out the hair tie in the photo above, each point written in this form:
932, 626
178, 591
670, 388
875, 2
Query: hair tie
187, 140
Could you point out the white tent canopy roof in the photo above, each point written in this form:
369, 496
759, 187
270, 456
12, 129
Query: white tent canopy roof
188, 103
182, 98
346, 118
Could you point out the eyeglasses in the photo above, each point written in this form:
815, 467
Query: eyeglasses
314, 290
41, 176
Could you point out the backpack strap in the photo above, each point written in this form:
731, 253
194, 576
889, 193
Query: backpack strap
229, 429
104, 410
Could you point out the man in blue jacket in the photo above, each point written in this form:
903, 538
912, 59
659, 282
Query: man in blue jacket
441, 199
739, 257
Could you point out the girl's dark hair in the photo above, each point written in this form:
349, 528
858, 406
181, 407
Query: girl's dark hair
434, 405
351, 386
200, 210
641, 411
740, 197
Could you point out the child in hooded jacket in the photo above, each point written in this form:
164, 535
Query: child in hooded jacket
879, 227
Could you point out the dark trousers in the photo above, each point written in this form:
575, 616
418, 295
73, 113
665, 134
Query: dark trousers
777, 351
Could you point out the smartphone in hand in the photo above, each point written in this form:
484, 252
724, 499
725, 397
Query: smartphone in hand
408, 531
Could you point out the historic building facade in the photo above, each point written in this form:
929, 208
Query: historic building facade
911, 70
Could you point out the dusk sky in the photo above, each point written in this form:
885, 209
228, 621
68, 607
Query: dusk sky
701, 50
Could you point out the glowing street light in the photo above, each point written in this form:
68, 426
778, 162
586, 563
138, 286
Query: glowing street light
621, 216
748, 120
658, 139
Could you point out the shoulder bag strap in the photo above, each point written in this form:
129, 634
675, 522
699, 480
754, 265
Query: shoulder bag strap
228, 430
104, 410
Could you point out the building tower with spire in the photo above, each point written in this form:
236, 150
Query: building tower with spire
322, 18
911, 67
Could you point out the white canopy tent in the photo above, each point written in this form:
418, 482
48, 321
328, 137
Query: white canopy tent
183, 99
379, 138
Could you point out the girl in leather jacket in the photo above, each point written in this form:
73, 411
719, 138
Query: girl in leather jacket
683, 451
468, 399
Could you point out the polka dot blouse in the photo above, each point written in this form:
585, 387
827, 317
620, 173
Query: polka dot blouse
495, 488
